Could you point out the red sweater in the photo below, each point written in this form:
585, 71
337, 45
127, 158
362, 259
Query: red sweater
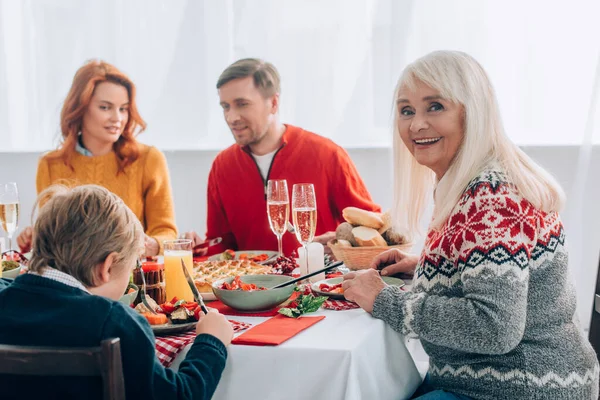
237, 206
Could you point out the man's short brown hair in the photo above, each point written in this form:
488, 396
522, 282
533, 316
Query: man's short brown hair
265, 75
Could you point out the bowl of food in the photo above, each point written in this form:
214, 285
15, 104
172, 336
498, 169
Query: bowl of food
130, 294
252, 292
12, 264
10, 269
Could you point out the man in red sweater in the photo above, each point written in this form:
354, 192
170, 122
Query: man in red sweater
267, 149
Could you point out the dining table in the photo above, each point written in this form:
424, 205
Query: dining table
347, 355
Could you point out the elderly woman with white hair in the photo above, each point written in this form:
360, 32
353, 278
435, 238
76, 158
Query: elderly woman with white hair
491, 301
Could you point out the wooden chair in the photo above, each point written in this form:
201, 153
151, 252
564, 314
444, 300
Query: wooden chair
594, 335
104, 361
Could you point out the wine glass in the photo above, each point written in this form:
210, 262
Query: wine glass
304, 214
278, 209
9, 209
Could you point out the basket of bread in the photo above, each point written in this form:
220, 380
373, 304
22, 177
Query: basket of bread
363, 236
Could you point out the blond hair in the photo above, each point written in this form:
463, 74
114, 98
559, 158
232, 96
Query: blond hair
78, 228
460, 79
264, 74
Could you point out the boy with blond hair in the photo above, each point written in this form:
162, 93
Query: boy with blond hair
86, 243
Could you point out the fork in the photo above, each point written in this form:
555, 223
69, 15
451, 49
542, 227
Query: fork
144, 301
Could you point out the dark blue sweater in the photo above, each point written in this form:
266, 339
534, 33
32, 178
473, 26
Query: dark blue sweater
42, 312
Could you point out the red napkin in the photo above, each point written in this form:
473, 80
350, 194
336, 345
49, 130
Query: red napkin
226, 310
275, 330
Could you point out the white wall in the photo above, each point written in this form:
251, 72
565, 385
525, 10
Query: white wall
189, 173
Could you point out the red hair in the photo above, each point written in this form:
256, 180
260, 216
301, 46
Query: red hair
71, 117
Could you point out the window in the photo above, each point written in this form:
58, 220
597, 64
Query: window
339, 62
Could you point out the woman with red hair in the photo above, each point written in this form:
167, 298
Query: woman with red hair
99, 123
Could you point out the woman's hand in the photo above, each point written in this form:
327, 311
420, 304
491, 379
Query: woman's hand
25, 239
394, 261
363, 287
152, 247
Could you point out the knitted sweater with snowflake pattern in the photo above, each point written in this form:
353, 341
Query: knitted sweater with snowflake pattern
492, 302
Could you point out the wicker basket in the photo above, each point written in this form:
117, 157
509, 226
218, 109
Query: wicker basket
360, 257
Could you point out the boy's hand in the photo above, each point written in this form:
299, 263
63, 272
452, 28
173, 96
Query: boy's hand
217, 325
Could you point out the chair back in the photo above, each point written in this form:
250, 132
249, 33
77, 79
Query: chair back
104, 361
594, 335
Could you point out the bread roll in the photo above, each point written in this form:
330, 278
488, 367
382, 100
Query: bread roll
387, 222
344, 232
344, 243
356, 216
367, 237
393, 238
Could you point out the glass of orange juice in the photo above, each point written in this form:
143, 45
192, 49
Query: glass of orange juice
175, 282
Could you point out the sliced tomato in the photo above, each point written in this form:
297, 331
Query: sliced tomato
197, 312
168, 308
260, 257
190, 305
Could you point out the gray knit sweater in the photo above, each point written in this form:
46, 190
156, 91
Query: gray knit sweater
493, 304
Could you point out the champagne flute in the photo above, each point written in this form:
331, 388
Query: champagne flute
304, 213
278, 209
9, 209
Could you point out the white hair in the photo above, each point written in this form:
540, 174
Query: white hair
460, 79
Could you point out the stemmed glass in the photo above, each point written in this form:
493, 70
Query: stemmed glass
278, 209
9, 209
304, 214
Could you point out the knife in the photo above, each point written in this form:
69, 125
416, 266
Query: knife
195, 292
317, 272
207, 243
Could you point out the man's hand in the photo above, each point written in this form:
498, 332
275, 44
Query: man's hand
324, 239
196, 240
25, 239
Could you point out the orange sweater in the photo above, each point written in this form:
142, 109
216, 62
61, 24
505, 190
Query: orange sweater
144, 186
237, 206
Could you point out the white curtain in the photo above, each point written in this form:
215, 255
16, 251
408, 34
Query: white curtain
339, 61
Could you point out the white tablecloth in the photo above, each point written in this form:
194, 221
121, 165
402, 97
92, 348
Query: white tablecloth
348, 355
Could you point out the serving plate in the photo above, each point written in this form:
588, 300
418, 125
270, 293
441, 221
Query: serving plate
249, 253
169, 329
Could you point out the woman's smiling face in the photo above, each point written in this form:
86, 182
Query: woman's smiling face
431, 127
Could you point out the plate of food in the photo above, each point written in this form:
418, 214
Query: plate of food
174, 316
208, 272
333, 287
257, 256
